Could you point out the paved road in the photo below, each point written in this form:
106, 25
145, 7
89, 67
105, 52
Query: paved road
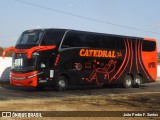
14, 93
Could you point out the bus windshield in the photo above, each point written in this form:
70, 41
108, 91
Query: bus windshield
21, 63
30, 37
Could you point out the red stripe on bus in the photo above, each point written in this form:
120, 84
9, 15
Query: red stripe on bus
122, 62
131, 56
136, 53
127, 60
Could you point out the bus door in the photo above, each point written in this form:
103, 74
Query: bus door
45, 68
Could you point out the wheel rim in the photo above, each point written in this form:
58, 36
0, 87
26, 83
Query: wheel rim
62, 83
128, 82
138, 81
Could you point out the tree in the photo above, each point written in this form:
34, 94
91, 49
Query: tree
159, 57
8, 54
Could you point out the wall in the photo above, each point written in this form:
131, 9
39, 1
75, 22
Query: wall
5, 65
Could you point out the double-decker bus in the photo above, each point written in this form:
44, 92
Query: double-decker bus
62, 58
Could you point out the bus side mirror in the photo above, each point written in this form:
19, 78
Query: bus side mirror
8, 49
42, 65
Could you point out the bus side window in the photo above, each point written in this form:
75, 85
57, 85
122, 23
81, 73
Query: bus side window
148, 46
119, 43
52, 37
43, 42
68, 41
107, 42
92, 41
73, 39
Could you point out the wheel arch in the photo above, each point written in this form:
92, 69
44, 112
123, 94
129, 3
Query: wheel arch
66, 76
132, 75
140, 76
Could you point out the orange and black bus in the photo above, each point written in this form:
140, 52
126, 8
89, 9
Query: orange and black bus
62, 58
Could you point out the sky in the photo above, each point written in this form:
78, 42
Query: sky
16, 17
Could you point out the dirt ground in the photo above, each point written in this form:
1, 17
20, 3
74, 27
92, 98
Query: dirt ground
113, 102
145, 98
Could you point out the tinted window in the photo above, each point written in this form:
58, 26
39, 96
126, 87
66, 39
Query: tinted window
92, 41
52, 37
148, 46
107, 42
74, 39
119, 43
28, 37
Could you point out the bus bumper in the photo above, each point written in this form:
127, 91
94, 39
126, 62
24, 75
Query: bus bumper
24, 79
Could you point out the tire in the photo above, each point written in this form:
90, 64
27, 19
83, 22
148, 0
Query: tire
61, 83
127, 82
137, 81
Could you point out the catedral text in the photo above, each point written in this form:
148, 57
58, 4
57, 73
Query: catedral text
97, 53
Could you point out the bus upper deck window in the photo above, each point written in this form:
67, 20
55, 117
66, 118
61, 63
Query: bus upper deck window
148, 46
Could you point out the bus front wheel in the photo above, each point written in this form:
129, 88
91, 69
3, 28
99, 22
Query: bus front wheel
61, 83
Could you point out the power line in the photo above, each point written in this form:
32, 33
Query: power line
83, 17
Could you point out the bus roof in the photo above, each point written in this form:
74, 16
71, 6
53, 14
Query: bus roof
104, 34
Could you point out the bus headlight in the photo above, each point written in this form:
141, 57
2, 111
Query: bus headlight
35, 53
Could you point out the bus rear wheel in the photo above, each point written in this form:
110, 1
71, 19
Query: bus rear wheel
137, 81
61, 83
127, 82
